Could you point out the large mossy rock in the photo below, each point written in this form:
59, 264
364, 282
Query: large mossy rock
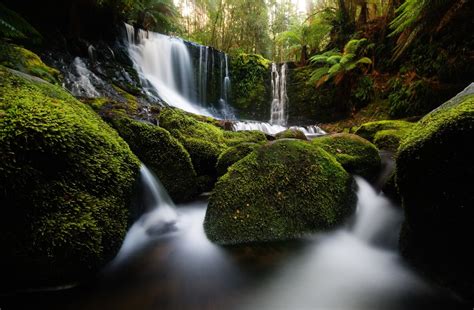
369, 130
162, 153
434, 176
357, 155
233, 138
291, 133
204, 141
66, 178
280, 191
233, 155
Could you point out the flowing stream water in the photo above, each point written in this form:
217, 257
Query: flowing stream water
167, 262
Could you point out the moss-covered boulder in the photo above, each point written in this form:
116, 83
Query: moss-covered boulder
291, 133
21, 59
66, 178
390, 139
233, 138
369, 130
162, 153
280, 191
357, 155
203, 141
434, 176
233, 155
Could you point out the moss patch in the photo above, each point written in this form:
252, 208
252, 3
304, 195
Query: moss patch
26, 61
390, 139
280, 191
291, 133
202, 140
233, 155
369, 130
65, 181
162, 153
233, 138
355, 154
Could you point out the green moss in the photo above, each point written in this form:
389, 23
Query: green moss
26, 61
162, 153
65, 181
204, 155
233, 155
434, 177
291, 133
357, 155
251, 86
181, 124
390, 139
308, 104
280, 191
233, 138
369, 130
202, 140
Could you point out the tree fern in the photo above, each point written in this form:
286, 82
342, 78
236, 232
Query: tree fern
416, 17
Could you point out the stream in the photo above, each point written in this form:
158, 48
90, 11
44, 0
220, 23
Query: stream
166, 262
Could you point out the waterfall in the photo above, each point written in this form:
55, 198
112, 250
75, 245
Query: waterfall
279, 114
225, 109
165, 69
279, 109
160, 214
80, 79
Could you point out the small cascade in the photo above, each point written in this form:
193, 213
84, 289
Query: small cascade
279, 115
203, 74
80, 80
225, 109
309, 131
279, 109
160, 214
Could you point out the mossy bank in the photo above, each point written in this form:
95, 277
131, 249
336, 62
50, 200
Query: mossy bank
65, 182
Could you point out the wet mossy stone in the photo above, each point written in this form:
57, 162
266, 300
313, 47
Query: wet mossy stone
280, 191
357, 155
162, 153
204, 155
390, 139
291, 133
233, 138
369, 130
21, 59
66, 179
233, 155
202, 140
434, 176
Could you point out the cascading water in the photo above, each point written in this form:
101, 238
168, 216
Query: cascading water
225, 109
279, 109
165, 68
160, 216
80, 80
280, 98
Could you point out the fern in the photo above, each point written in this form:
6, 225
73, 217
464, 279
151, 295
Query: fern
334, 65
415, 17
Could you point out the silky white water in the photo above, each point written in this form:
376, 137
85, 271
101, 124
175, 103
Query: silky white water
354, 267
165, 68
279, 114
